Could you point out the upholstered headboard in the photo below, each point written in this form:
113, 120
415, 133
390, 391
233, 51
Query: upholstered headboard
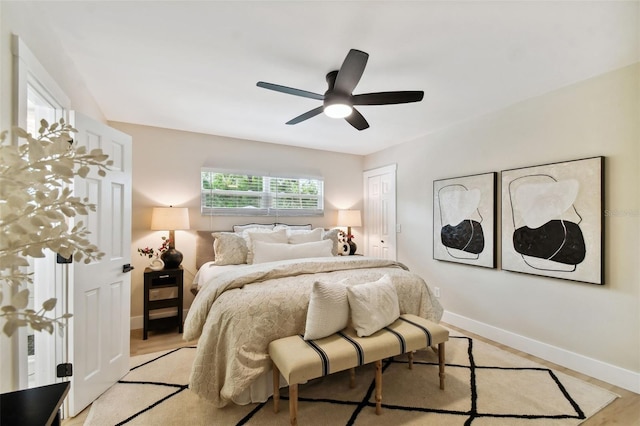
204, 248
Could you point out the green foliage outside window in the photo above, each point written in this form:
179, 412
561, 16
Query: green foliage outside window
238, 194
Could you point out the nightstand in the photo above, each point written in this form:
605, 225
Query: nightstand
154, 280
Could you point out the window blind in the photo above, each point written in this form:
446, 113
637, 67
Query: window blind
251, 194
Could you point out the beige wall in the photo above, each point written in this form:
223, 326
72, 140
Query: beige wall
596, 117
166, 171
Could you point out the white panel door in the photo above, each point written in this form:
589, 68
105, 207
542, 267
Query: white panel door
380, 212
100, 291
372, 217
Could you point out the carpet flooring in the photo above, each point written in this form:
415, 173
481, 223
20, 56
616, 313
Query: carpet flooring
484, 386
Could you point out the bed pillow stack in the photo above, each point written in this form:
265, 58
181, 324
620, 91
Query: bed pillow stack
272, 242
373, 306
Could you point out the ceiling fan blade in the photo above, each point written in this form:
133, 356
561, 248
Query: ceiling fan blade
351, 71
357, 120
290, 90
307, 115
386, 98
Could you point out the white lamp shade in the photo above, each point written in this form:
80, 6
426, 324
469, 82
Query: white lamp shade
349, 218
169, 218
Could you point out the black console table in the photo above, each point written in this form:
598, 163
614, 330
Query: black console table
33, 407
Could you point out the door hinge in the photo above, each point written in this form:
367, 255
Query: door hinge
64, 370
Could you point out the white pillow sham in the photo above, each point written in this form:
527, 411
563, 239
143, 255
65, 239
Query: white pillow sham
328, 310
300, 236
271, 252
373, 305
263, 235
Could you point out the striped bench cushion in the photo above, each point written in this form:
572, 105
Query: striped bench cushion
299, 360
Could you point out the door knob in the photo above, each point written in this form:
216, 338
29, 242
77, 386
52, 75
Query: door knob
127, 268
382, 241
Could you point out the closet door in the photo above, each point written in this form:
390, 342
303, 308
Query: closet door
380, 212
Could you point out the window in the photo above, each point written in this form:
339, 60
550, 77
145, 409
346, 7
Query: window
226, 193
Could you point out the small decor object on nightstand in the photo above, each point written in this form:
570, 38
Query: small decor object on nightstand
170, 218
343, 246
349, 218
155, 264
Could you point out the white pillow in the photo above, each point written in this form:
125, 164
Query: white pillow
373, 305
253, 235
271, 252
328, 310
229, 249
299, 236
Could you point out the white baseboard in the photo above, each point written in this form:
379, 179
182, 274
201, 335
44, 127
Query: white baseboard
137, 322
609, 373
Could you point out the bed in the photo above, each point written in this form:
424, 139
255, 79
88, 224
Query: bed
240, 307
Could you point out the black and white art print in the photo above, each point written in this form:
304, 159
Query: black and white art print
464, 220
552, 220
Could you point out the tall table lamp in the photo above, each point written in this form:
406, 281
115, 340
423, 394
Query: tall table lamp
349, 218
170, 219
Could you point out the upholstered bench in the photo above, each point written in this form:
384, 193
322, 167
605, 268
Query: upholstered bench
300, 360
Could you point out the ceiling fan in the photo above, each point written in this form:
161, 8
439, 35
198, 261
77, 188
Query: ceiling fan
338, 100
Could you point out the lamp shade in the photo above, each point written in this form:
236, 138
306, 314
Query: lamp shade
169, 218
349, 218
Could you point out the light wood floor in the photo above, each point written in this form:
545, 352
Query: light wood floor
624, 411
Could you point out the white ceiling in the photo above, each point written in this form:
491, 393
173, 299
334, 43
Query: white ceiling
194, 65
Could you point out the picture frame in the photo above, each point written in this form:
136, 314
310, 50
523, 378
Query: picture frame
464, 219
552, 220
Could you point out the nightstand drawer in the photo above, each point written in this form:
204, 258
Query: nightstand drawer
163, 280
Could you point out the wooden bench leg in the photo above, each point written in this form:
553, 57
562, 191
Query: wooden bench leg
441, 362
352, 378
410, 360
379, 387
293, 404
276, 389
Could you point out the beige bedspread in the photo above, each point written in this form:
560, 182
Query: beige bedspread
239, 312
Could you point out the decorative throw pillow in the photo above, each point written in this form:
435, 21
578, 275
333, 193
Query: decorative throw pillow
333, 236
328, 310
229, 249
271, 252
373, 305
299, 237
265, 235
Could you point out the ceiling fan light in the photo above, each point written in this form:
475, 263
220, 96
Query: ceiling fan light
338, 110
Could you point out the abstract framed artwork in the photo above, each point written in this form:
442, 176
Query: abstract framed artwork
552, 220
464, 219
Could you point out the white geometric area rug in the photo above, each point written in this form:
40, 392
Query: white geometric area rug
484, 386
